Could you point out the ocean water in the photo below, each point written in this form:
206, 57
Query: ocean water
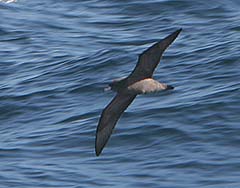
57, 56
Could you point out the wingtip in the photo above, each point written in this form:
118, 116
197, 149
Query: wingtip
164, 43
180, 29
176, 33
98, 148
101, 140
97, 152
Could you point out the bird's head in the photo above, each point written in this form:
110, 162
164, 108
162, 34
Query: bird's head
116, 84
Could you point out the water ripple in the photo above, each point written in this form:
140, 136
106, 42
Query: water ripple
56, 59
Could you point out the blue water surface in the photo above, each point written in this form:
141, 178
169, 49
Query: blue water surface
57, 56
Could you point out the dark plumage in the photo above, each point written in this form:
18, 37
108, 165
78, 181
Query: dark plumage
138, 82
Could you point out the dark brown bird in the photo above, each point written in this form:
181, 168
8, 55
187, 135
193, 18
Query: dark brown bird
138, 82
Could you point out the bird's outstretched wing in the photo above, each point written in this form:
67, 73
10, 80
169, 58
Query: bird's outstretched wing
109, 118
150, 58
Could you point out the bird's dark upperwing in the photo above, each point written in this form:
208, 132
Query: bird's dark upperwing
109, 118
150, 58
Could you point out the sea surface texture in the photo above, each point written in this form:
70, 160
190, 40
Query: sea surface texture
56, 58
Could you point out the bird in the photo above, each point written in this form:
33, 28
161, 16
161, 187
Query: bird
140, 81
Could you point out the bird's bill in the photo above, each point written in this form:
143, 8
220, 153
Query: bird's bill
107, 88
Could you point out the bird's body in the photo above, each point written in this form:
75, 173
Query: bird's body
138, 82
147, 85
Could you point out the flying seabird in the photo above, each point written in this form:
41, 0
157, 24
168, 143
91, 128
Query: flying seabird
140, 81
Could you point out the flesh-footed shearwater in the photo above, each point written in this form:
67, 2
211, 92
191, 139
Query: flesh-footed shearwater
140, 81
